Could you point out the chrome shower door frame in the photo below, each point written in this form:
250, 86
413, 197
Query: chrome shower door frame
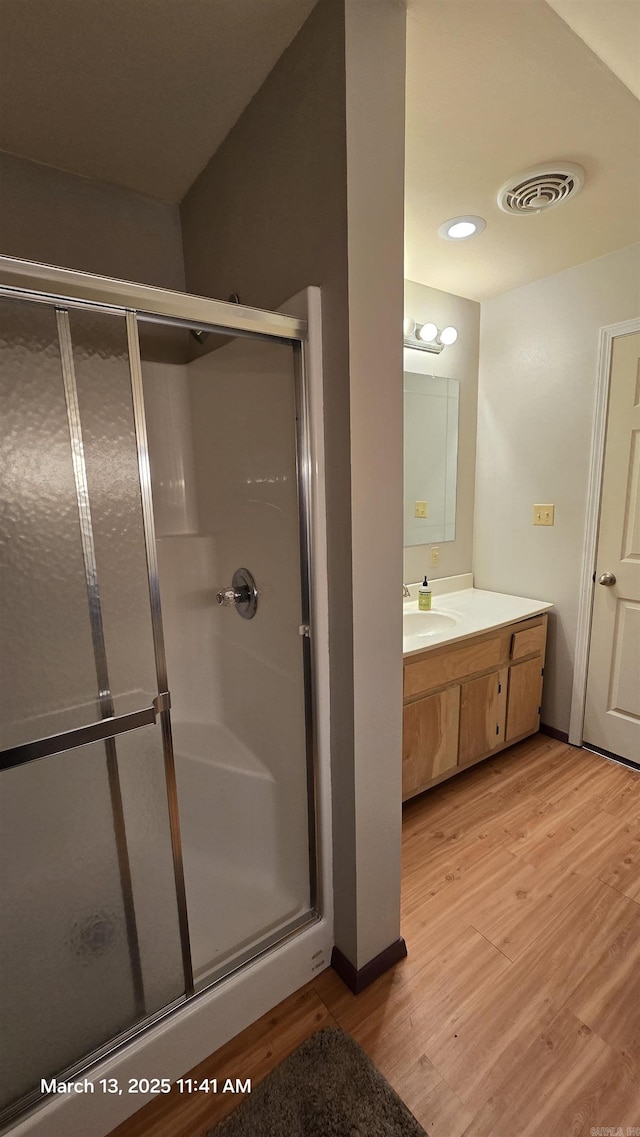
66, 289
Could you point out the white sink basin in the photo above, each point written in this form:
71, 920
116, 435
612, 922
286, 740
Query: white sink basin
427, 623
460, 613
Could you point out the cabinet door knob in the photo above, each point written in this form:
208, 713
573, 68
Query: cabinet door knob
607, 579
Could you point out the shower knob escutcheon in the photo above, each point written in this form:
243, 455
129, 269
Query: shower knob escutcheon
242, 595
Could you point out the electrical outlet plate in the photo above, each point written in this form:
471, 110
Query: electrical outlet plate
543, 514
435, 554
421, 509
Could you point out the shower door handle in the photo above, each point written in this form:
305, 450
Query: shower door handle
243, 594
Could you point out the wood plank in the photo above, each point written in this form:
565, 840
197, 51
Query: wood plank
552, 1088
567, 778
579, 943
496, 1028
440, 1112
467, 964
608, 996
622, 870
516, 916
585, 838
623, 792
511, 910
513, 1014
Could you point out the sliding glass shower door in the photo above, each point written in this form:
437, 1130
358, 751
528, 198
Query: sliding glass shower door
91, 939
224, 425
157, 806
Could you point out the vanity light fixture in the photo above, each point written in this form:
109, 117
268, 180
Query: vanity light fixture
461, 228
427, 333
427, 337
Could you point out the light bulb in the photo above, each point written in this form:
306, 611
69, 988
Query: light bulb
408, 326
461, 229
448, 336
427, 333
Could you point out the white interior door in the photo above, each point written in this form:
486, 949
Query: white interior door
612, 714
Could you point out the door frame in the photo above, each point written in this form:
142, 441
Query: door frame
606, 341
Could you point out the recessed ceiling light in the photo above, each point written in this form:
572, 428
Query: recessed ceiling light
461, 228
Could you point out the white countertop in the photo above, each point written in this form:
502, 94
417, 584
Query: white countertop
470, 611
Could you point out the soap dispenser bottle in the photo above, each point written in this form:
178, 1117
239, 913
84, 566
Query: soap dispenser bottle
424, 596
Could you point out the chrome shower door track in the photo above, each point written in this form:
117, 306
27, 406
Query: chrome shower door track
28, 280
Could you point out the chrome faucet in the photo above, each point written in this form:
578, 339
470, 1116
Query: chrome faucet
405, 591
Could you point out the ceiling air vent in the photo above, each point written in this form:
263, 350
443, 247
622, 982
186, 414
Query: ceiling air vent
540, 188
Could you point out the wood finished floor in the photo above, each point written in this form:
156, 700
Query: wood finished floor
517, 1011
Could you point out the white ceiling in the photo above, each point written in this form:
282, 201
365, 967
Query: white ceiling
135, 92
611, 28
143, 92
495, 87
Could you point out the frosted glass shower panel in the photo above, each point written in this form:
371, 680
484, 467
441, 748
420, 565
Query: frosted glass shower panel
47, 672
101, 365
78, 958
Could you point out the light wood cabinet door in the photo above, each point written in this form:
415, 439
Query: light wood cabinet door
429, 739
483, 709
525, 692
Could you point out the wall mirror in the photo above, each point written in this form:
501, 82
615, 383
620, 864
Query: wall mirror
430, 458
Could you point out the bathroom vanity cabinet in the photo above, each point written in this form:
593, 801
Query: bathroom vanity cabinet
467, 700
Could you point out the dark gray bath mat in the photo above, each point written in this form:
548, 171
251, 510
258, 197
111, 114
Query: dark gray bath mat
326, 1088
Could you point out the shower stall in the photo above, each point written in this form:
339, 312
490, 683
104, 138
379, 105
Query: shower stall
157, 743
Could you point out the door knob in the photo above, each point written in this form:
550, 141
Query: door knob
607, 579
243, 594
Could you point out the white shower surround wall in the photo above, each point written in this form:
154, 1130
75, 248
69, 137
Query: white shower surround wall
191, 1033
222, 453
230, 818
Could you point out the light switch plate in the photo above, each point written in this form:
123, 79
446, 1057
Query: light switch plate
421, 509
543, 514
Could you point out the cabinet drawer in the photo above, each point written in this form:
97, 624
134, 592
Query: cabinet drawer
451, 664
429, 739
528, 641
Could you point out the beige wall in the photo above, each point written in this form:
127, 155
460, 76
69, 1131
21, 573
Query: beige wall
61, 219
459, 361
266, 218
375, 197
538, 359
